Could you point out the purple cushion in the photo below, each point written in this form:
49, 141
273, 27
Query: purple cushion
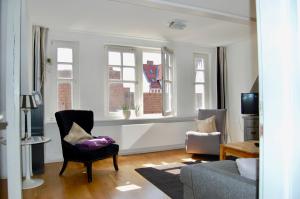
96, 143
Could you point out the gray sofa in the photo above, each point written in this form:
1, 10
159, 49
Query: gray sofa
216, 180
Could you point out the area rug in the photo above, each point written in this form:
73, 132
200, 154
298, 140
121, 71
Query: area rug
166, 177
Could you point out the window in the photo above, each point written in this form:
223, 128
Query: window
122, 78
65, 62
167, 83
152, 82
200, 62
136, 79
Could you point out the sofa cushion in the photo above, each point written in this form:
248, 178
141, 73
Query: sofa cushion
76, 135
219, 179
207, 125
248, 167
227, 166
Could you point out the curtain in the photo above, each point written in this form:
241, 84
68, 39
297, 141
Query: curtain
221, 84
39, 45
221, 77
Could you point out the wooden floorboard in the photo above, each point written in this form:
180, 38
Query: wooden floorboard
73, 184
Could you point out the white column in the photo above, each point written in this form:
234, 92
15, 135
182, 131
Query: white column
279, 73
13, 98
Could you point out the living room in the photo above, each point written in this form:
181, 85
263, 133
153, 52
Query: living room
212, 59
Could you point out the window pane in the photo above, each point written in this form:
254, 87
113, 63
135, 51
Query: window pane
199, 63
65, 55
65, 71
170, 60
152, 78
200, 76
121, 94
128, 74
64, 95
168, 97
115, 73
199, 94
152, 57
128, 59
114, 58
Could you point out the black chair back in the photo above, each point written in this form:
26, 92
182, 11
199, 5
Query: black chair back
65, 120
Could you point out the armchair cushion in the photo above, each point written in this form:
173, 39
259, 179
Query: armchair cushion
77, 134
207, 125
96, 143
202, 134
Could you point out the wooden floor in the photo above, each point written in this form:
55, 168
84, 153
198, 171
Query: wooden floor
73, 184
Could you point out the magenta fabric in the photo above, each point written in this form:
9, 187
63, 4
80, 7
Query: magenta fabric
96, 143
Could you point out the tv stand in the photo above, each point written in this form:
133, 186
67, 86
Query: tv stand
251, 127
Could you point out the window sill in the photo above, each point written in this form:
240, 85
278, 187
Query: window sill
139, 120
143, 120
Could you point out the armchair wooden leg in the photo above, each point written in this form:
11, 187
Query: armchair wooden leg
63, 167
89, 171
115, 160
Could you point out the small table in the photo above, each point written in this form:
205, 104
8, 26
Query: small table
28, 182
245, 149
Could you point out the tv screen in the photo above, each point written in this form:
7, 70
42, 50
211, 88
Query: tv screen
249, 102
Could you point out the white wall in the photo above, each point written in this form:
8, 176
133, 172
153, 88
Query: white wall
92, 67
279, 61
12, 48
242, 71
2, 83
92, 64
137, 138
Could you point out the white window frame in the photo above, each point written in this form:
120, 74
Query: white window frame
138, 80
205, 58
167, 66
121, 49
51, 91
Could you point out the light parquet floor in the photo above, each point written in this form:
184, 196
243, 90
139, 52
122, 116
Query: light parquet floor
73, 184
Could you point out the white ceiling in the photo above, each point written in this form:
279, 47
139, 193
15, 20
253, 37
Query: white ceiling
132, 20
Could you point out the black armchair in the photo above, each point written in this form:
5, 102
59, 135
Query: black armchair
85, 119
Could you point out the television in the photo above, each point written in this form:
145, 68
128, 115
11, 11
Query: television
249, 103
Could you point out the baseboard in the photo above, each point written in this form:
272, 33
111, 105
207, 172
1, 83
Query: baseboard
151, 149
135, 151
54, 160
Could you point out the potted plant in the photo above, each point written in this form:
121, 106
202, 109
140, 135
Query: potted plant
137, 110
126, 111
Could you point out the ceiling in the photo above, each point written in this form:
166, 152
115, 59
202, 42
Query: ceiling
122, 18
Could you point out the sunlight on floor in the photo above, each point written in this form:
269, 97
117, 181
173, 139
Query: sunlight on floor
158, 165
129, 187
173, 171
188, 160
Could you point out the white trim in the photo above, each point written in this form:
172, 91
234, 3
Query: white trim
190, 10
151, 149
109, 34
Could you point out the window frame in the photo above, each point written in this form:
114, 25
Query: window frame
108, 81
166, 68
205, 57
75, 71
138, 79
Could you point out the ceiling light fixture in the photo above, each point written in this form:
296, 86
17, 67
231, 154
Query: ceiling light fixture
177, 24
